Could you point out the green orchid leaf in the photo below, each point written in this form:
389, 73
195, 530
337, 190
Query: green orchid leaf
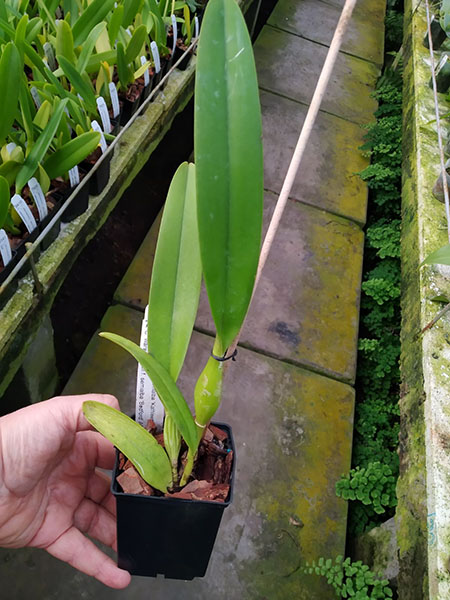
4, 200
229, 165
114, 24
124, 71
165, 387
45, 72
135, 44
33, 28
95, 12
42, 117
20, 36
9, 171
80, 85
159, 33
438, 257
11, 67
27, 110
132, 7
88, 46
40, 147
71, 154
64, 41
135, 442
176, 275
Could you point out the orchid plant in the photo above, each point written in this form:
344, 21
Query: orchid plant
211, 226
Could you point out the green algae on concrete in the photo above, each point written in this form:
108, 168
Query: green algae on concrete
305, 309
348, 93
423, 512
316, 21
327, 177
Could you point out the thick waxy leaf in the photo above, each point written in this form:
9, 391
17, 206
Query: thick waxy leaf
81, 86
11, 68
176, 275
439, 257
88, 46
165, 387
95, 12
40, 147
114, 24
149, 458
4, 200
71, 154
124, 71
64, 41
135, 44
229, 165
131, 10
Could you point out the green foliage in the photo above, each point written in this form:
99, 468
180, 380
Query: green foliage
350, 579
377, 382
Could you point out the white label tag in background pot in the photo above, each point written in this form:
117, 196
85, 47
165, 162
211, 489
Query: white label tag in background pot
96, 127
5, 248
114, 99
24, 212
35, 95
74, 176
155, 54
197, 27
104, 114
38, 197
50, 55
146, 75
148, 405
175, 33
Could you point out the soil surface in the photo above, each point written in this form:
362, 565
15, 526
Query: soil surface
88, 289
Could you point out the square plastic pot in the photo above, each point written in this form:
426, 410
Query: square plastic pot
9, 291
167, 536
100, 178
79, 204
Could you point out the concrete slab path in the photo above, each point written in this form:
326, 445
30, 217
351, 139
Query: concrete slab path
289, 396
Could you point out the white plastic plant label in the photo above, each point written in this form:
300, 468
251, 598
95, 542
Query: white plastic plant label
5, 248
175, 33
35, 95
146, 75
96, 127
74, 176
104, 114
155, 54
38, 197
114, 99
148, 405
24, 212
10, 147
197, 27
50, 55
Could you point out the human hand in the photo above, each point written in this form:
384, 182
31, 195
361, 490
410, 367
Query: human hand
50, 490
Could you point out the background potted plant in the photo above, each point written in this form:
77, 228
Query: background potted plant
227, 198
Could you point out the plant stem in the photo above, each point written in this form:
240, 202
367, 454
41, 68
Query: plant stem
188, 467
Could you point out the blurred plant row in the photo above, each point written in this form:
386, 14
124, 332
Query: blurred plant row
71, 72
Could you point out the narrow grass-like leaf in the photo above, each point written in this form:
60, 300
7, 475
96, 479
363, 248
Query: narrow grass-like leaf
131, 9
40, 147
438, 257
229, 165
165, 387
88, 46
10, 79
124, 71
114, 24
149, 458
176, 275
135, 44
81, 86
71, 154
64, 41
95, 12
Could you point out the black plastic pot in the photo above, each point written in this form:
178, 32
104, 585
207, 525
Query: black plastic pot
78, 205
100, 178
9, 291
21, 249
185, 62
54, 231
167, 536
128, 109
